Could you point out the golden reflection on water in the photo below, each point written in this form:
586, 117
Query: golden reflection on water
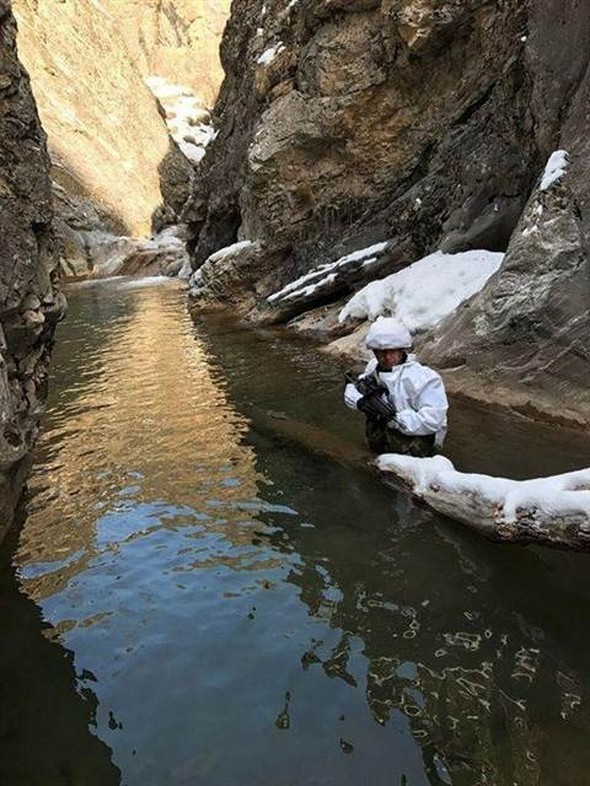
147, 422
429, 631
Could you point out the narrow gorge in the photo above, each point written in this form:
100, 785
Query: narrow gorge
98, 148
205, 576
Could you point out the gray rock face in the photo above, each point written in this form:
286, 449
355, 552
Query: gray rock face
342, 124
235, 277
524, 339
345, 123
30, 304
527, 331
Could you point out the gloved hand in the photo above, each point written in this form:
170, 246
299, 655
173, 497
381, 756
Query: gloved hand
351, 395
373, 406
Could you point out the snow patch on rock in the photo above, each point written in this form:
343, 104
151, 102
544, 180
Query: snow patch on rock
555, 169
323, 275
487, 502
229, 251
187, 119
426, 291
266, 58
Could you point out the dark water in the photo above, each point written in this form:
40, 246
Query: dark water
199, 595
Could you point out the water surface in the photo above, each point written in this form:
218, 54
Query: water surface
207, 589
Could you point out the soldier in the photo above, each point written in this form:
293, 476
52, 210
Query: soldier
404, 402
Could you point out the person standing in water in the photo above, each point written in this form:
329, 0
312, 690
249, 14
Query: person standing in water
404, 402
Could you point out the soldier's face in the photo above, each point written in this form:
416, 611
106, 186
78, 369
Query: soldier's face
388, 358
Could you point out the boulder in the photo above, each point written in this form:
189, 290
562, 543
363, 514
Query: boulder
234, 276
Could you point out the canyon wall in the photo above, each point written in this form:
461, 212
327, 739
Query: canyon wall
30, 304
417, 124
175, 39
106, 138
116, 170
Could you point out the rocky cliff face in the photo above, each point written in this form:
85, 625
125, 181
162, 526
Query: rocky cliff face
175, 39
349, 122
106, 137
423, 124
30, 304
116, 169
525, 336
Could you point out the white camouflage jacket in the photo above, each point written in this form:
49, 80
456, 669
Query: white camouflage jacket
417, 393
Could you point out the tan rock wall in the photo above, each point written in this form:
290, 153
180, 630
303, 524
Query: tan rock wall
87, 62
176, 39
106, 137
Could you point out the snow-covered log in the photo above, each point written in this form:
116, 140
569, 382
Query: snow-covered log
552, 511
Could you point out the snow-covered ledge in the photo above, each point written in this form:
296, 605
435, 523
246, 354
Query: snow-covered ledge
553, 511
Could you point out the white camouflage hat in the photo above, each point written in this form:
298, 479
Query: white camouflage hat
388, 333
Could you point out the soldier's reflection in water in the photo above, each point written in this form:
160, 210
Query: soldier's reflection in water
482, 670
45, 722
480, 646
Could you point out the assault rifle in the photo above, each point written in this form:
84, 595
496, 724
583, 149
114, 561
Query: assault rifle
371, 402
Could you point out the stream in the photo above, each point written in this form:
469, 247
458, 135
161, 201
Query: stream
207, 585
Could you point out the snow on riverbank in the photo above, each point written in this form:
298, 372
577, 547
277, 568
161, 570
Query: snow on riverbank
423, 293
121, 282
553, 510
141, 283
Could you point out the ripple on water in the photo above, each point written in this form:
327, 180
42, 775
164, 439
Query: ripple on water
239, 609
